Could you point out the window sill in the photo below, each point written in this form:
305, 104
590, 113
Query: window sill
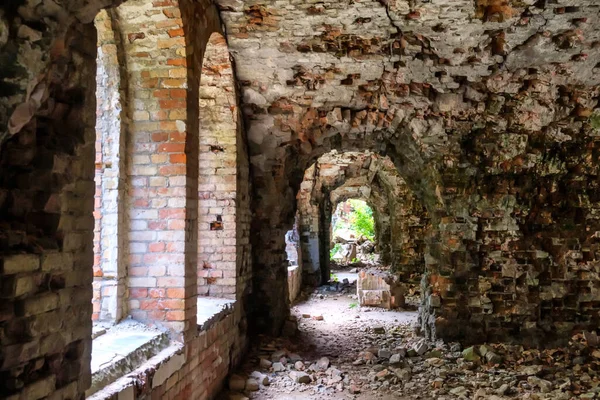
211, 310
121, 349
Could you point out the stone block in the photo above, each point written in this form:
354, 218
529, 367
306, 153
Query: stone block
19, 263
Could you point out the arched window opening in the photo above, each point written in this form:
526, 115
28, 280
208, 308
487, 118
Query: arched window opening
217, 180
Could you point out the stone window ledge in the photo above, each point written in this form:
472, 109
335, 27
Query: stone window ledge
155, 370
122, 348
150, 374
211, 310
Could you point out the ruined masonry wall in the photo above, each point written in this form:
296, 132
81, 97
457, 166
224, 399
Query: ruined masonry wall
490, 112
109, 303
47, 194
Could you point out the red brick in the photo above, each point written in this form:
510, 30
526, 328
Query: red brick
176, 293
178, 93
138, 292
157, 225
178, 137
173, 212
157, 293
177, 158
182, 62
171, 148
160, 137
176, 32
141, 203
165, 93
176, 224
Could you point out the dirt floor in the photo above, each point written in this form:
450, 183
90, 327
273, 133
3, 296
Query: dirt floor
341, 334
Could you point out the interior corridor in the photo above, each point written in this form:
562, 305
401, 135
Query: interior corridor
271, 199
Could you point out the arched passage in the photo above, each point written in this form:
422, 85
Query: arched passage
401, 219
276, 211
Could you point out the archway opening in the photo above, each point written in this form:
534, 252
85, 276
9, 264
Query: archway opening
353, 236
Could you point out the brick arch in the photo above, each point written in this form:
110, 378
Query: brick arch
336, 177
279, 173
204, 35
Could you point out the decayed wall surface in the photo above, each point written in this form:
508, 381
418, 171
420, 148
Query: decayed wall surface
47, 127
489, 110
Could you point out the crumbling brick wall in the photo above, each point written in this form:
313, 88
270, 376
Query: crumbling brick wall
47, 127
110, 257
490, 114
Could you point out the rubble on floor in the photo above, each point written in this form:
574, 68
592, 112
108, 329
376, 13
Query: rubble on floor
369, 359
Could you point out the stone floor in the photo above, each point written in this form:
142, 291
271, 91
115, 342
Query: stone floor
343, 351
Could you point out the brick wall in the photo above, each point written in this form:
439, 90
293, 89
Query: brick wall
155, 52
47, 186
217, 187
48, 194
109, 239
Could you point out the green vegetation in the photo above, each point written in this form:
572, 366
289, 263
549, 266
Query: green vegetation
353, 305
334, 250
361, 219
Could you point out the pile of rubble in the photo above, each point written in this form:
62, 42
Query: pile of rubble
396, 361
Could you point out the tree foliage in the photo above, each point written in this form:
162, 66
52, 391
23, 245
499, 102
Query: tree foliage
361, 219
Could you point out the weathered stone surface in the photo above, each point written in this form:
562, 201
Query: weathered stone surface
486, 112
